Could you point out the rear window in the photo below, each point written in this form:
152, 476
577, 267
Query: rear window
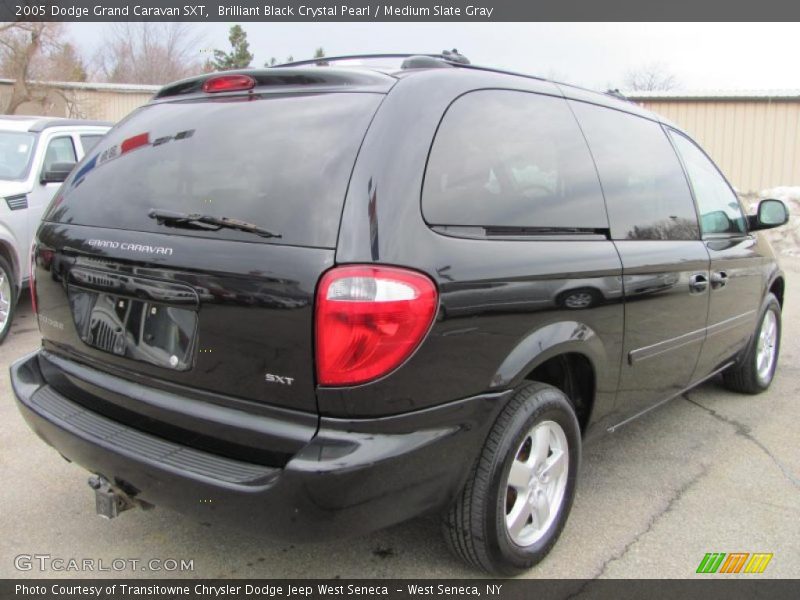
280, 162
505, 158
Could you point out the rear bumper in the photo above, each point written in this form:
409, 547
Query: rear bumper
354, 476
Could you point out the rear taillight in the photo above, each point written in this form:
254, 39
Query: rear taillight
369, 319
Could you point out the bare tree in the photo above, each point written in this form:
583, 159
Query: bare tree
61, 63
21, 46
149, 53
652, 77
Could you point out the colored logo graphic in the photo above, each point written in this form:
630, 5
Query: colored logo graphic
734, 562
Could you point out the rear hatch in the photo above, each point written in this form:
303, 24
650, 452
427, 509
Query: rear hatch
167, 302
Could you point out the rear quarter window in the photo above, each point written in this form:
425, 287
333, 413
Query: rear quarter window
281, 162
504, 158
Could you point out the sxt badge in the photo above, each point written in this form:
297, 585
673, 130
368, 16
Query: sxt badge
270, 378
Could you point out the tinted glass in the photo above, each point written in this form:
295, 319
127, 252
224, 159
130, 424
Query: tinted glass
16, 150
646, 191
280, 162
719, 207
89, 141
511, 159
59, 150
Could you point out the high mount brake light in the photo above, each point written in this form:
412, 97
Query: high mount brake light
369, 320
228, 83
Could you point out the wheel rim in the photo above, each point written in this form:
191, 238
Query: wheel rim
579, 300
536, 483
5, 299
767, 346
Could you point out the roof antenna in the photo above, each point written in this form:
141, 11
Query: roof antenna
456, 57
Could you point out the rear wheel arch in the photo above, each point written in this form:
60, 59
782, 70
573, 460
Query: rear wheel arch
574, 374
568, 355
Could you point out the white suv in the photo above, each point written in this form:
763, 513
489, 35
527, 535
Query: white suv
36, 155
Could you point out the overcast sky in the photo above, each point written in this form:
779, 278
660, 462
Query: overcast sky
596, 55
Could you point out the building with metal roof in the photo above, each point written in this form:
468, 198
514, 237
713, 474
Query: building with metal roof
753, 135
100, 101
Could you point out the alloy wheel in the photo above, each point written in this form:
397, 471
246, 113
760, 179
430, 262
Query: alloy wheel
536, 483
5, 299
766, 346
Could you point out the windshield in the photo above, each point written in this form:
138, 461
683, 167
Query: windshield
16, 150
280, 162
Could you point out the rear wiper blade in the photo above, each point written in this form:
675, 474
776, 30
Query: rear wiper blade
206, 222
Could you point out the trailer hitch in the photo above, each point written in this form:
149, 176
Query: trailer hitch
109, 500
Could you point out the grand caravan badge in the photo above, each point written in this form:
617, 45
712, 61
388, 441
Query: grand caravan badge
131, 247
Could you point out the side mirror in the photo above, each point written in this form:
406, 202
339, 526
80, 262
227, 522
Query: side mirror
771, 213
57, 172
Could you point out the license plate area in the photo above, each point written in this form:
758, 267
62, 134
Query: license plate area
136, 328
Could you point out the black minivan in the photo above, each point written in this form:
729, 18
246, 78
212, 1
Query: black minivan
322, 300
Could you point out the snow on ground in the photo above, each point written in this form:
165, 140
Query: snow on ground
785, 240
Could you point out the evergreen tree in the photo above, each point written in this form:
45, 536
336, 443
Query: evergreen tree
239, 57
274, 61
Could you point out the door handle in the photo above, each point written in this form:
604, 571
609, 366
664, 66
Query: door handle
719, 279
698, 283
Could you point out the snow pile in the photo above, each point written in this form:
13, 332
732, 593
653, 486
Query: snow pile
786, 239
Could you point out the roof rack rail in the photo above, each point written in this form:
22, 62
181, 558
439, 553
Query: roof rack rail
450, 57
617, 94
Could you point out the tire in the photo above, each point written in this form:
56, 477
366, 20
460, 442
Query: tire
749, 375
8, 298
475, 526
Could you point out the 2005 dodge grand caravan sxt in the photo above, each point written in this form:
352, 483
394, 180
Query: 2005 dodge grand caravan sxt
321, 301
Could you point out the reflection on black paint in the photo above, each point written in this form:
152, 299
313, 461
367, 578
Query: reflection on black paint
637, 286
487, 297
673, 228
372, 212
253, 300
136, 329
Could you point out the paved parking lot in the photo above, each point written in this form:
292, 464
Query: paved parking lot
709, 472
